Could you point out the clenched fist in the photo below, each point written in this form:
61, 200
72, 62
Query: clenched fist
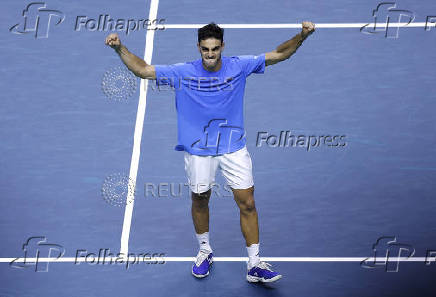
113, 41
307, 29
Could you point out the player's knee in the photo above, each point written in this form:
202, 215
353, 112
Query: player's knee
200, 200
247, 206
201, 196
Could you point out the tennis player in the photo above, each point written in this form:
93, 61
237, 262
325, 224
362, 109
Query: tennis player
209, 102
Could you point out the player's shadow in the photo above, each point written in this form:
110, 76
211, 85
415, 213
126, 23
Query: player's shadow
265, 289
225, 281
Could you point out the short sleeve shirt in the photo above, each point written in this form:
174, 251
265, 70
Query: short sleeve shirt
210, 119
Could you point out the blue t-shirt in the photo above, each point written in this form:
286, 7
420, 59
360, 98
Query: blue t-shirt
210, 113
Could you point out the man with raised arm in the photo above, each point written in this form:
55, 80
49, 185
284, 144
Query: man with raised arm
209, 102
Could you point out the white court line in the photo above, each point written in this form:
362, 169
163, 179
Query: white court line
228, 259
138, 134
290, 26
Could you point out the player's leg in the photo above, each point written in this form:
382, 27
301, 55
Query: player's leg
200, 211
236, 168
244, 198
200, 171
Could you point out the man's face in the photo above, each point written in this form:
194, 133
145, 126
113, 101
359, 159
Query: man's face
210, 50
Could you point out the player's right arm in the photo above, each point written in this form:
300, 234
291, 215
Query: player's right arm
135, 64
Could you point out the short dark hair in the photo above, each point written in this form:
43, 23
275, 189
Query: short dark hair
211, 30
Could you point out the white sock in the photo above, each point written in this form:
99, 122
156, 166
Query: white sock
203, 241
253, 255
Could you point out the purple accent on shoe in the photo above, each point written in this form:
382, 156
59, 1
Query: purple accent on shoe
263, 273
202, 269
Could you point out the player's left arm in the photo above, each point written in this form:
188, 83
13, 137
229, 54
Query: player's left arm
285, 50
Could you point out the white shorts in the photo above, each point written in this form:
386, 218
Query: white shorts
236, 168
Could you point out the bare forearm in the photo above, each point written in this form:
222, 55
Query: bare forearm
134, 63
287, 48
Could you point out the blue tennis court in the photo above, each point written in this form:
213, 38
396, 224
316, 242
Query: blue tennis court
342, 138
